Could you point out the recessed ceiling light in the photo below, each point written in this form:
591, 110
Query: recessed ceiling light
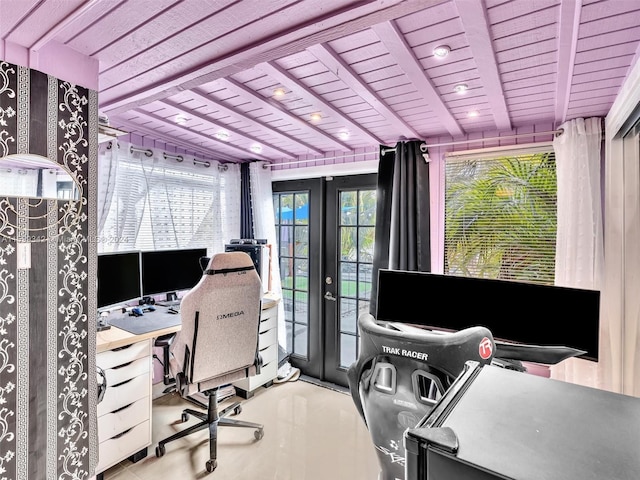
344, 135
441, 51
473, 113
255, 148
461, 88
224, 136
279, 92
316, 117
181, 119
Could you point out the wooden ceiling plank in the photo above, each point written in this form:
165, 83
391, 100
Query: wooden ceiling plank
241, 151
325, 54
234, 131
60, 26
280, 45
476, 25
278, 73
173, 141
568, 26
280, 111
253, 122
394, 41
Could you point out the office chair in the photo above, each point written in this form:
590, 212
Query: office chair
217, 344
399, 376
165, 341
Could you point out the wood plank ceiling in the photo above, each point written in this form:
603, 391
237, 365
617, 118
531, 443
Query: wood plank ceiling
281, 80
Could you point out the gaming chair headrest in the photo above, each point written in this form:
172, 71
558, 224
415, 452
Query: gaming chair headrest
446, 352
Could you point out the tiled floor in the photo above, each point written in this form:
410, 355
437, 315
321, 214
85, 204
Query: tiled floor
310, 433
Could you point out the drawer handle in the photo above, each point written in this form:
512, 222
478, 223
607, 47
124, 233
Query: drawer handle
121, 366
122, 408
122, 348
121, 434
121, 383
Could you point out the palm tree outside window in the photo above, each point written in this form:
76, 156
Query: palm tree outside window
501, 216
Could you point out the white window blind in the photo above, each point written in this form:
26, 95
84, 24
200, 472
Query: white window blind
152, 203
500, 215
18, 182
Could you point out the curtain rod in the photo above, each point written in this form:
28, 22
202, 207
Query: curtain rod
295, 162
168, 156
560, 131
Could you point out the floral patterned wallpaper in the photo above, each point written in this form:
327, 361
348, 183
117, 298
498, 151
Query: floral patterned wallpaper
48, 390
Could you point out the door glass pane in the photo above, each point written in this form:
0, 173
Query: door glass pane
348, 243
348, 205
348, 315
348, 353
367, 207
366, 236
364, 280
302, 241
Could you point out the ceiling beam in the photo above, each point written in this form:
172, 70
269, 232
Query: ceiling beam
568, 26
244, 153
476, 26
234, 131
394, 41
132, 127
278, 110
331, 26
253, 122
330, 59
280, 74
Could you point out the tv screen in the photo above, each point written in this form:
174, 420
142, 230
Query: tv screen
167, 271
513, 311
118, 278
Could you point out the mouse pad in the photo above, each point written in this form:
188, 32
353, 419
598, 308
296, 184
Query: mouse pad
148, 322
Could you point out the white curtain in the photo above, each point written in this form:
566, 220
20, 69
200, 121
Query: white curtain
264, 226
153, 202
19, 182
579, 243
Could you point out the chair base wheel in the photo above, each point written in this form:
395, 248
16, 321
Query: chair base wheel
237, 410
258, 434
211, 465
185, 417
160, 451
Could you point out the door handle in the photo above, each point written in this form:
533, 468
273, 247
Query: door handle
329, 296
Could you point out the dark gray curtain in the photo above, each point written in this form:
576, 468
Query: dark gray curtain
246, 214
402, 239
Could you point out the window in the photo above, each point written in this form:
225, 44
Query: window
500, 215
149, 203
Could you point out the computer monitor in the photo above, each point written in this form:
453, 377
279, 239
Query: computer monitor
514, 311
169, 271
118, 278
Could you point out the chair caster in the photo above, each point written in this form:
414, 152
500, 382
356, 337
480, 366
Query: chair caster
211, 465
237, 410
160, 450
258, 434
185, 417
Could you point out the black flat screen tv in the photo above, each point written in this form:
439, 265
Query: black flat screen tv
118, 278
514, 311
168, 271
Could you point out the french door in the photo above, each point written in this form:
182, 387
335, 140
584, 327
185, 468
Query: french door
325, 229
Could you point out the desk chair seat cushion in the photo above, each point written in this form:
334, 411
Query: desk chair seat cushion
218, 340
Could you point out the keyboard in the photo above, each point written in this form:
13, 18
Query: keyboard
169, 303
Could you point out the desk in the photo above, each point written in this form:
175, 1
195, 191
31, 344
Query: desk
124, 415
495, 423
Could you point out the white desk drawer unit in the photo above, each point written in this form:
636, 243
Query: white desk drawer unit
124, 414
268, 346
